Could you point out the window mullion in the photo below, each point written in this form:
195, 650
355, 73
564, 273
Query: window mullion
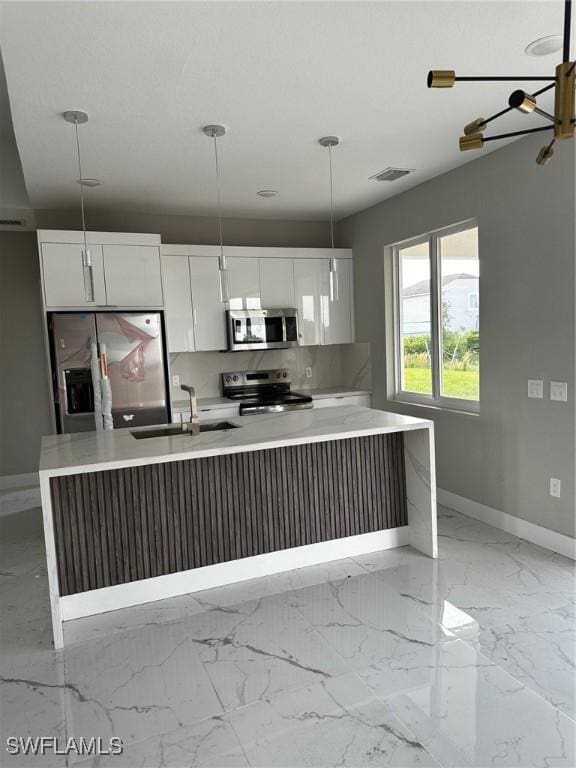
436, 323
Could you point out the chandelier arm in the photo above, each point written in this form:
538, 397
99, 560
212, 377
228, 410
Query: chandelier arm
567, 14
547, 115
519, 133
543, 90
499, 78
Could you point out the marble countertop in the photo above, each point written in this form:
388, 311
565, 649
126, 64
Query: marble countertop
208, 403
95, 451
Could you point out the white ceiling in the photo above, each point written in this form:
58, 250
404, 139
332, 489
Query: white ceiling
278, 75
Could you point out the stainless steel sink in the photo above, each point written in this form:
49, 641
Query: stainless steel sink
176, 430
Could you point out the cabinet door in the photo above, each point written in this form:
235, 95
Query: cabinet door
207, 305
337, 302
66, 279
178, 304
133, 277
243, 283
307, 290
276, 283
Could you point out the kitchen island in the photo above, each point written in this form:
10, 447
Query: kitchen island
128, 521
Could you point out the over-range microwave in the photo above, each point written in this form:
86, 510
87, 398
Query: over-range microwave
250, 329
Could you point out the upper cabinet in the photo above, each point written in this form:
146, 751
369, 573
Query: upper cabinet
133, 276
277, 283
207, 305
194, 306
308, 292
123, 271
243, 275
178, 299
68, 281
337, 301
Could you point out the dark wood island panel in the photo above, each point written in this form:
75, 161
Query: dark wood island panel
117, 526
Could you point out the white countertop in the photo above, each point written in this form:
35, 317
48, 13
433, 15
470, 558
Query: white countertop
94, 451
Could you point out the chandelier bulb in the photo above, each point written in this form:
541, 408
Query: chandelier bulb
522, 101
474, 141
441, 78
477, 126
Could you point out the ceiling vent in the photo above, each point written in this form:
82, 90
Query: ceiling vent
12, 222
391, 174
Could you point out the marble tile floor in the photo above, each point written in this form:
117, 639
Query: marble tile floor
389, 659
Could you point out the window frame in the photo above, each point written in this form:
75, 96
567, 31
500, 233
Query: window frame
436, 399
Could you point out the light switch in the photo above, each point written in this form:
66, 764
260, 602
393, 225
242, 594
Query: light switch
559, 391
536, 388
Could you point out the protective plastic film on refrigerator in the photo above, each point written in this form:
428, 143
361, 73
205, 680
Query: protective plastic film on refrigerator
128, 379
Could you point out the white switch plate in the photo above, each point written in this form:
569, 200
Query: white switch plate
555, 487
536, 388
308, 373
559, 391
175, 381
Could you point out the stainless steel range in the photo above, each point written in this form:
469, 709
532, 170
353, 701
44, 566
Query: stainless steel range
263, 391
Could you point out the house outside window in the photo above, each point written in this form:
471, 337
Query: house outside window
437, 318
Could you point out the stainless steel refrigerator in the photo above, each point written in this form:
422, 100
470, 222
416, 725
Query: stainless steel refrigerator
134, 344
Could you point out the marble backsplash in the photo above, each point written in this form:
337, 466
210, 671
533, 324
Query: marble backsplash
339, 364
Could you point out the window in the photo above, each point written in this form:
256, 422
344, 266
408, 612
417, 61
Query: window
437, 318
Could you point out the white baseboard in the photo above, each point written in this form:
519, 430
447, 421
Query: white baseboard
537, 534
28, 480
197, 579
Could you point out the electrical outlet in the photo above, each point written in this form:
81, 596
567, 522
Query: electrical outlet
555, 487
175, 381
559, 391
308, 373
536, 388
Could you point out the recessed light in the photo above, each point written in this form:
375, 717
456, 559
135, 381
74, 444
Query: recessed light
267, 192
544, 46
90, 182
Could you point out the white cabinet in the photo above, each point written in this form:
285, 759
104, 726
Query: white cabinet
337, 301
125, 269
332, 402
207, 305
133, 276
307, 290
243, 282
178, 303
66, 279
276, 282
195, 313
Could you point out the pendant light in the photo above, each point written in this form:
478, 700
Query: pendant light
77, 117
562, 122
215, 132
329, 142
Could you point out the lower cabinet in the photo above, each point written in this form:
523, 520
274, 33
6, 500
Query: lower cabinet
331, 402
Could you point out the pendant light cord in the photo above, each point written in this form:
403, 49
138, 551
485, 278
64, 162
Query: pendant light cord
331, 199
218, 193
81, 187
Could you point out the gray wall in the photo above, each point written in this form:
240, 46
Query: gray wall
24, 396
199, 230
505, 456
24, 401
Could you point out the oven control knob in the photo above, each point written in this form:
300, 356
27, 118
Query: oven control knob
235, 378
279, 375
228, 379
285, 374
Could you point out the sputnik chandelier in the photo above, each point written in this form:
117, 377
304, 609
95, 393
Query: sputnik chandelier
563, 121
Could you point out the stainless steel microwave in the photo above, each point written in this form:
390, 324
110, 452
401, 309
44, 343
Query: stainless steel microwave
262, 329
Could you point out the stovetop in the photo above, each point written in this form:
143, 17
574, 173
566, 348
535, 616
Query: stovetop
263, 391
